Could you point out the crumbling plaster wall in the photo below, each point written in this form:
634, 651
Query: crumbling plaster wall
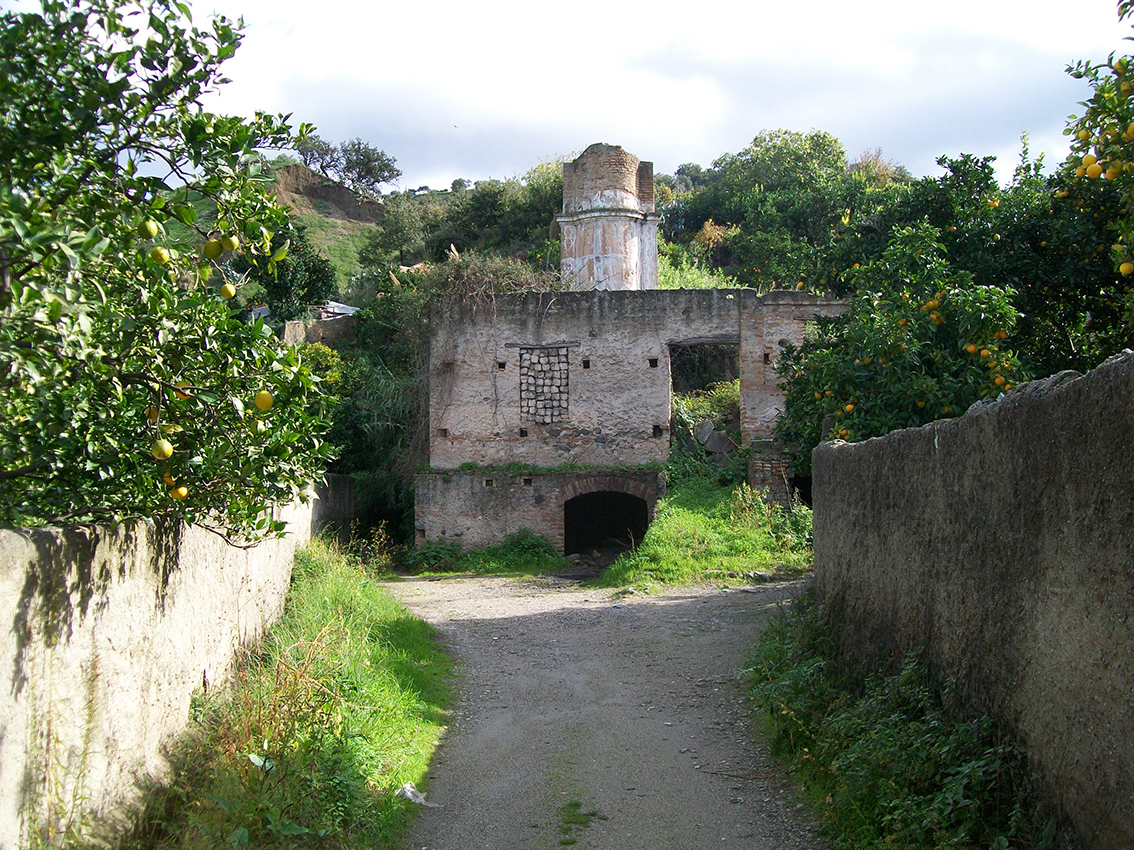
1000, 547
618, 378
110, 631
619, 404
480, 508
608, 229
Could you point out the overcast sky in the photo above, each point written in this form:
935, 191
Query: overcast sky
489, 88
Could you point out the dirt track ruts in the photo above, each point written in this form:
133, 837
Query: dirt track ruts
630, 707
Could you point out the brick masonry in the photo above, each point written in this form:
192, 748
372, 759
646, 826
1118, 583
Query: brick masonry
608, 229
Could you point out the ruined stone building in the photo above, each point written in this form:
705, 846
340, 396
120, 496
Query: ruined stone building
551, 411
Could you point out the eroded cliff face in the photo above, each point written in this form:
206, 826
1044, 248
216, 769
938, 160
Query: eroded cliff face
299, 187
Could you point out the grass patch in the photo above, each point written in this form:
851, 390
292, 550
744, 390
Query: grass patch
706, 531
521, 553
887, 765
340, 705
573, 819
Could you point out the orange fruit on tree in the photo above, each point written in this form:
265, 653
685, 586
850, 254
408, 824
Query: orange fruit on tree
169, 479
1094, 170
263, 400
970, 348
180, 493
1126, 268
181, 385
227, 291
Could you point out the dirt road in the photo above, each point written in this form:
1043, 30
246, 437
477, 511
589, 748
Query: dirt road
591, 720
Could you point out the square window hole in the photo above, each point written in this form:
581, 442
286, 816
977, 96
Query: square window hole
443, 433
500, 365
489, 482
653, 363
523, 432
586, 363
658, 431
527, 482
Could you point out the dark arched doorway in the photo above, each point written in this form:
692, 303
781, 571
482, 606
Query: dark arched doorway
603, 519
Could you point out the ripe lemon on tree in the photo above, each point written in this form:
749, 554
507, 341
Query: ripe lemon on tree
160, 255
263, 400
213, 249
162, 449
227, 291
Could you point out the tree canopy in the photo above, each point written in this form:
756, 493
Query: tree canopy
128, 384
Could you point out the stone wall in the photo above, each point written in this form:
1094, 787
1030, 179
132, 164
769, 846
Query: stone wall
616, 347
330, 332
110, 633
616, 408
480, 508
1000, 547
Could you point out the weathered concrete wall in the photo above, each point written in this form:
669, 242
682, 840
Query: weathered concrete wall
110, 633
330, 332
480, 508
1001, 547
617, 386
608, 229
616, 346
767, 325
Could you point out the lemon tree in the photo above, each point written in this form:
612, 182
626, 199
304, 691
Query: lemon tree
127, 380
920, 342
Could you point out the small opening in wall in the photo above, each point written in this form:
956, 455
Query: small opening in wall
586, 364
523, 432
443, 433
419, 534
653, 363
489, 482
767, 357
658, 431
527, 482
500, 365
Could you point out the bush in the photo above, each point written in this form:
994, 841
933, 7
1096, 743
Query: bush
889, 766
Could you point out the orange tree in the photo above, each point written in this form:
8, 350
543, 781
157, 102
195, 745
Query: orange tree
920, 342
128, 384
1102, 149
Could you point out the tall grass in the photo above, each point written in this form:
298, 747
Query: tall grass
340, 705
886, 763
521, 553
706, 531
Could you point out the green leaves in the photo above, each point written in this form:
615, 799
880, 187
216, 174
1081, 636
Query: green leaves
103, 307
920, 342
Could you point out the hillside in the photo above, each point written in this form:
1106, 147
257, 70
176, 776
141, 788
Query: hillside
337, 222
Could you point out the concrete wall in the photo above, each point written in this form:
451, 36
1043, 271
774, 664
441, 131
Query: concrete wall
608, 229
618, 384
1000, 546
480, 508
330, 332
110, 631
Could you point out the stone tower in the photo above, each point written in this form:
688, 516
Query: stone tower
608, 229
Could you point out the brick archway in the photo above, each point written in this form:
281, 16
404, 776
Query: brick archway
613, 482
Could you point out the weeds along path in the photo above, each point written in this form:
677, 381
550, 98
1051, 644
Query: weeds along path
588, 720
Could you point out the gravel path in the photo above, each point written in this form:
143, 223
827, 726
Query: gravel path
591, 720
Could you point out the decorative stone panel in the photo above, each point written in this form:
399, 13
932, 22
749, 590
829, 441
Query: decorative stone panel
544, 384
